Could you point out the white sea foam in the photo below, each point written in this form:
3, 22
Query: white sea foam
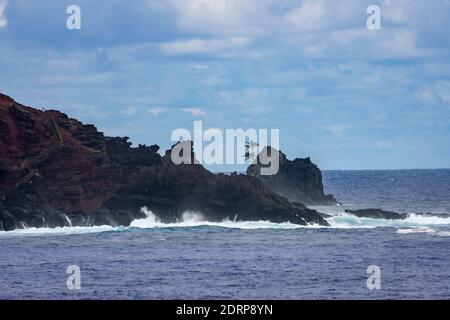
345, 220
413, 224
191, 219
61, 231
416, 230
426, 230
427, 220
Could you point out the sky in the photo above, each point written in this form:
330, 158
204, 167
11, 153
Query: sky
348, 97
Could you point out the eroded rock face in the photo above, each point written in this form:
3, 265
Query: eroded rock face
90, 179
298, 180
169, 190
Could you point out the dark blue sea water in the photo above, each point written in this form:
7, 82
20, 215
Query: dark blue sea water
250, 260
401, 190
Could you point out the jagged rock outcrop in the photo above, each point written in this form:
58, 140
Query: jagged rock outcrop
377, 214
56, 171
169, 190
391, 215
298, 180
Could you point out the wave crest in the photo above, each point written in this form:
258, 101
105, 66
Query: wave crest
189, 219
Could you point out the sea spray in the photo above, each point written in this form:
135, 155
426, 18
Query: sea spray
432, 225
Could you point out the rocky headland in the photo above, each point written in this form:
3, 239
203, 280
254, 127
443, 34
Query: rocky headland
57, 171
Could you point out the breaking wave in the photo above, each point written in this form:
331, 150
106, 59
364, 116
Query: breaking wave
414, 224
345, 220
59, 231
191, 219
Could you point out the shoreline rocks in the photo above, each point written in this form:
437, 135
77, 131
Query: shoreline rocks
391, 215
377, 214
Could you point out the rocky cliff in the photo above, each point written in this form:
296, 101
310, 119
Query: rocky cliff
57, 171
298, 180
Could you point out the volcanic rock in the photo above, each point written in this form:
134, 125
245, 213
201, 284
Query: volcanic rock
377, 214
298, 180
57, 171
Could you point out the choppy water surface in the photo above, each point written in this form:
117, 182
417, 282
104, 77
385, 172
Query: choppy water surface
195, 259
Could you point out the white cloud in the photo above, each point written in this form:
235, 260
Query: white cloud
157, 111
307, 16
443, 92
200, 46
225, 17
196, 112
395, 11
427, 95
255, 29
439, 93
198, 66
129, 111
3, 20
84, 111
362, 43
337, 129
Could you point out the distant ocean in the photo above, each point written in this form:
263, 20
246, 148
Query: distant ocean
195, 259
400, 190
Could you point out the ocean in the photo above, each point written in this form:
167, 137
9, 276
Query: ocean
195, 259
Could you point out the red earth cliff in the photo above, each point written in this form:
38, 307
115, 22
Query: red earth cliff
57, 171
